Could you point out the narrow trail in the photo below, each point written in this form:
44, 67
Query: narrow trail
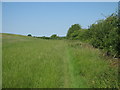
66, 70
69, 79
69, 68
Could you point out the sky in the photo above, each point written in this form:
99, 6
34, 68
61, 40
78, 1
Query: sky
47, 18
59, 0
0, 17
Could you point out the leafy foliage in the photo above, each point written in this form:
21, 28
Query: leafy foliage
54, 36
105, 34
72, 32
30, 35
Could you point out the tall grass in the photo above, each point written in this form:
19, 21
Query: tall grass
0, 61
91, 69
35, 63
32, 63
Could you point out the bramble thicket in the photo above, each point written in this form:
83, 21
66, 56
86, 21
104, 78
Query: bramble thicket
105, 35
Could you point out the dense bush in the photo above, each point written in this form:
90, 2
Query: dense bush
105, 34
54, 36
30, 35
73, 31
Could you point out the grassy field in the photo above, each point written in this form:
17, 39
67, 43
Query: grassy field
35, 63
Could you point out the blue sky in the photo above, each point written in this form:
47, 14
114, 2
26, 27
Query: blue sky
0, 17
47, 18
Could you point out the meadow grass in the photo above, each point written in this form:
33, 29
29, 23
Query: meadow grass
35, 63
0, 61
91, 69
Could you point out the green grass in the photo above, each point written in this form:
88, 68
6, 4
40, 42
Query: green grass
35, 63
0, 62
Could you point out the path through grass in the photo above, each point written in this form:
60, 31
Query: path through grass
34, 63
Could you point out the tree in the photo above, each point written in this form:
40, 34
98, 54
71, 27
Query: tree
30, 35
105, 35
54, 36
73, 29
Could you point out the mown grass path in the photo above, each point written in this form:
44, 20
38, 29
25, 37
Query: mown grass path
34, 63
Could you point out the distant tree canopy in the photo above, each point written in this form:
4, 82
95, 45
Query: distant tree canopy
72, 30
54, 36
30, 35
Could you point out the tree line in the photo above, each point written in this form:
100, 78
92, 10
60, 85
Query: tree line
54, 36
104, 34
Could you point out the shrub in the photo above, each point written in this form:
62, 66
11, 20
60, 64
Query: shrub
30, 35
